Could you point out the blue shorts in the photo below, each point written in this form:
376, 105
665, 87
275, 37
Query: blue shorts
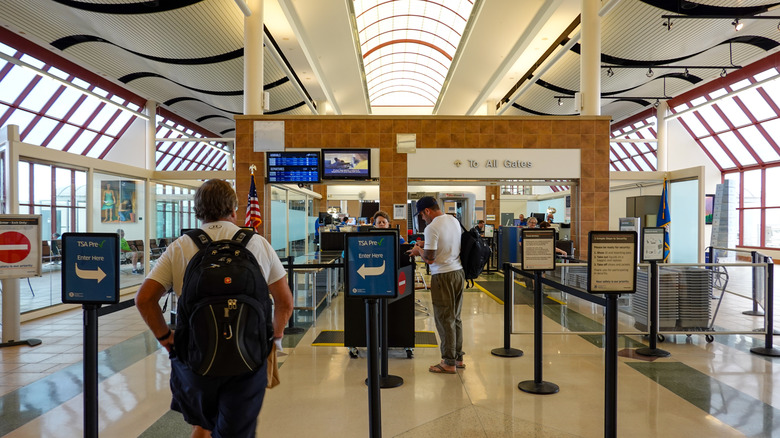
227, 406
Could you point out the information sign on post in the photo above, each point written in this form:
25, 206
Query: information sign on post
90, 273
612, 264
538, 249
370, 264
20, 245
653, 243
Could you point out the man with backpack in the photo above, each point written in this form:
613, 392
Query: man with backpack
223, 287
441, 250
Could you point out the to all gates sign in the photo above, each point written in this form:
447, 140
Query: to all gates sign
20, 246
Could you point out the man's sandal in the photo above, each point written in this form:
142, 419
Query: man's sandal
460, 365
438, 369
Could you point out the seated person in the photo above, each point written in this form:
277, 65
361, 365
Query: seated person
550, 217
135, 255
382, 220
522, 220
531, 222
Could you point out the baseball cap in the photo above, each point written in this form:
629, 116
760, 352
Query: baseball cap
425, 202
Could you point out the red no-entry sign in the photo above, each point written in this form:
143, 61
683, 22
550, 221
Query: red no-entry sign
401, 282
14, 247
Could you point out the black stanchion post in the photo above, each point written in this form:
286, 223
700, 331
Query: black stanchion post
769, 349
610, 374
385, 380
291, 329
90, 371
372, 349
538, 386
755, 311
509, 301
653, 351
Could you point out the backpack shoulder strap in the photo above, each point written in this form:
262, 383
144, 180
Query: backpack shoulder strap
243, 236
200, 238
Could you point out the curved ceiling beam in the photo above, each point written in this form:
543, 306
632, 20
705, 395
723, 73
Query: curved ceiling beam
142, 7
423, 17
145, 74
407, 62
404, 53
140, 75
72, 40
175, 100
693, 9
757, 41
425, 1
411, 73
212, 116
409, 41
289, 108
390, 86
408, 29
409, 92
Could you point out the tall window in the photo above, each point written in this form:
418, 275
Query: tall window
58, 194
736, 121
175, 210
58, 110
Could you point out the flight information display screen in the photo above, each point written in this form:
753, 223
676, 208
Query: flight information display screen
293, 167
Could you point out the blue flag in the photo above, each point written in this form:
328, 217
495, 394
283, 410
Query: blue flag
664, 220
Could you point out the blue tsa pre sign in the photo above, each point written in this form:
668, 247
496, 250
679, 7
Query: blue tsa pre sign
90, 268
370, 264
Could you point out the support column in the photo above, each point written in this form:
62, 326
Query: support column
660, 129
590, 59
253, 58
151, 134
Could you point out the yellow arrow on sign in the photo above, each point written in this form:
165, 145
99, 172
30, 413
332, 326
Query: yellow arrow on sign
98, 275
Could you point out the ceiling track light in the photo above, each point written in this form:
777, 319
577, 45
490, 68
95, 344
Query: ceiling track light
737, 25
649, 73
560, 101
723, 73
610, 73
657, 103
686, 73
668, 24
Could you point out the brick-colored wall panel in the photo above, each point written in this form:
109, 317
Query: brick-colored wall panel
590, 134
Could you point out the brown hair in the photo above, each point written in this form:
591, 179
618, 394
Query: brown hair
215, 200
379, 213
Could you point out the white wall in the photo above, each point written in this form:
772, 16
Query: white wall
131, 147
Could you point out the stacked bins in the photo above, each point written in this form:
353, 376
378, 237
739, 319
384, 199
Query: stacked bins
695, 292
684, 299
668, 297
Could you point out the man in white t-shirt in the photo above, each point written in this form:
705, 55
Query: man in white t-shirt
226, 406
441, 250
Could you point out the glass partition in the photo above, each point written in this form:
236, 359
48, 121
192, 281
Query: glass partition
279, 240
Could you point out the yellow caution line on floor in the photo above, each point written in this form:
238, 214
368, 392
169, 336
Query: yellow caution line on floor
495, 298
518, 283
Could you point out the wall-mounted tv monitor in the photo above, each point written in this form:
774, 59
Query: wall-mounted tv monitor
346, 164
293, 167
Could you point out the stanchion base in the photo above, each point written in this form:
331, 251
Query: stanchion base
294, 330
753, 313
538, 388
506, 352
763, 351
389, 381
653, 352
30, 342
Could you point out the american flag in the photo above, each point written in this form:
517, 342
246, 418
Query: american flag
253, 217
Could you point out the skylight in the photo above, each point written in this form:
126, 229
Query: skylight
408, 47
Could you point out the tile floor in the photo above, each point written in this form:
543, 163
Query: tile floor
703, 389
